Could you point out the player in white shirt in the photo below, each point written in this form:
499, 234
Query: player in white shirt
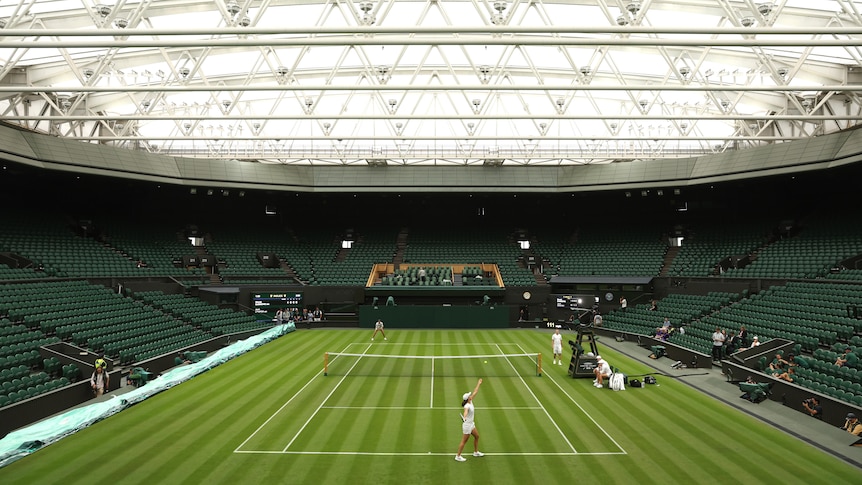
378, 327
602, 370
468, 425
557, 344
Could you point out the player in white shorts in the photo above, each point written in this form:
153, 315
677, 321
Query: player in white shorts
557, 343
378, 327
468, 426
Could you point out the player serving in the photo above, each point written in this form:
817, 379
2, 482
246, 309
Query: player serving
557, 343
378, 327
468, 426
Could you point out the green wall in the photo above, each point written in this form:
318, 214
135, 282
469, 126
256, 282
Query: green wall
428, 316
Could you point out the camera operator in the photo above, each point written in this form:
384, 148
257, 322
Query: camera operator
852, 425
813, 408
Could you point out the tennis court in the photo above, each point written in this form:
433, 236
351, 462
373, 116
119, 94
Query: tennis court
404, 399
271, 416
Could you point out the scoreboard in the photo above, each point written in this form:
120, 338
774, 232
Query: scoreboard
266, 304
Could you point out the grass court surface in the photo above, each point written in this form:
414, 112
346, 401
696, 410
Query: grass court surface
271, 416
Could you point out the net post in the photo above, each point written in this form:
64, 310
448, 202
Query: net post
539, 365
325, 363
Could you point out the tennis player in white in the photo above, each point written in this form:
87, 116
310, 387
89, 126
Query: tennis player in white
557, 343
378, 327
468, 427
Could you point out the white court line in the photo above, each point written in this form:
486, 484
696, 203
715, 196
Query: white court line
583, 411
322, 403
281, 408
414, 453
440, 344
432, 384
540, 402
373, 408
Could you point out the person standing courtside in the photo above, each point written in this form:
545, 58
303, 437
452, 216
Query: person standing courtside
99, 380
717, 344
557, 344
378, 327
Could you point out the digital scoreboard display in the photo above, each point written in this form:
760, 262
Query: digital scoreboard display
568, 302
266, 304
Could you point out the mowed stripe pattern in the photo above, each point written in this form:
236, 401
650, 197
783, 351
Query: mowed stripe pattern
189, 434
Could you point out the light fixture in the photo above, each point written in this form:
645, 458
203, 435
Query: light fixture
782, 71
747, 21
684, 71
103, 10
245, 21
643, 103
309, 102
586, 70
498, 18
65, 104
226, 103
87, 72
725, 104
622, 20
145, 103
764, 8
634, 8
382, 73
184, 72
282, 71
485, 70
392, 102
232, 8
121, 23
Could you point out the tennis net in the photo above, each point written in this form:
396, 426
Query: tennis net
384, 365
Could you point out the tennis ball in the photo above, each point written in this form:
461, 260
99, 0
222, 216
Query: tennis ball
486, 361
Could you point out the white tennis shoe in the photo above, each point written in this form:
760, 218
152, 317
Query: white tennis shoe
478, 453
460, 458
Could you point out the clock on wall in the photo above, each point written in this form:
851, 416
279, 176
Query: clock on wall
527, 295
609, 296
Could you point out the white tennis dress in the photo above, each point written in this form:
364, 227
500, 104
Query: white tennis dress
469, 424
